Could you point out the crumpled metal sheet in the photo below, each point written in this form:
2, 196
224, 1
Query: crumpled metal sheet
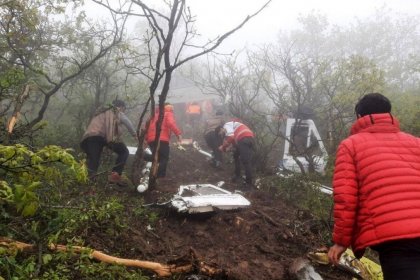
201, 151
363, 268
201, 198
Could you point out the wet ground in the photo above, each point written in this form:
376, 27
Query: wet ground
259, 242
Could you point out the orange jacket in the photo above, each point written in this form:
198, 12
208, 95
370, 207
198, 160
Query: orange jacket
376, 184
194, 109
168, 126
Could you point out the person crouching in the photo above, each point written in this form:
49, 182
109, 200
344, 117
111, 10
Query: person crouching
241, 137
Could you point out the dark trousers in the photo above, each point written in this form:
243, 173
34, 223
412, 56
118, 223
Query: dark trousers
244, 154
163, 157
400, 259
93, 147
214, 141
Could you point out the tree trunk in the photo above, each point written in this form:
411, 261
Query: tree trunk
16, 112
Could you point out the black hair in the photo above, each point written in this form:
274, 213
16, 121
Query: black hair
118, 103
219, 112
373, 103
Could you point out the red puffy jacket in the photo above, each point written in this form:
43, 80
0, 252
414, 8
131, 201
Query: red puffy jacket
240, 131
376, 184
168, 126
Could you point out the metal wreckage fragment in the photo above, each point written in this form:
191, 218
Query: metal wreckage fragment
144, 181
201, 198
363, 268
196, 198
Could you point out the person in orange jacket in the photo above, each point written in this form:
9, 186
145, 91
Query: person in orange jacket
239, 135
168, 126
376, 187
193, 113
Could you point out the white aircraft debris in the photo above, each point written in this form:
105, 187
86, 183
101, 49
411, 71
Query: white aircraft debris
305, 136
201, 151
201, 198
144, 181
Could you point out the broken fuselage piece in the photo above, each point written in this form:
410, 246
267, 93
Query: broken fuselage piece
202, 198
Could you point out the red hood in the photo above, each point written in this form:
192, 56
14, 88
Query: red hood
376, 123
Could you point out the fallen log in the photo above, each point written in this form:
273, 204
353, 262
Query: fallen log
162, 270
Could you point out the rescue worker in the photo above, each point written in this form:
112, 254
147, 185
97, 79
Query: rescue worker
104, 130
213, 139
377, 191
242, 138
193, 113
168, 126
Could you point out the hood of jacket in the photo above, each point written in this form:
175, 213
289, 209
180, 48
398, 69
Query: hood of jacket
376, 123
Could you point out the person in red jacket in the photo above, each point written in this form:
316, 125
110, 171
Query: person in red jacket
239, 135
377, 191
168, 126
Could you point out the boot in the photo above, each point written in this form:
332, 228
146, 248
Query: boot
114, 178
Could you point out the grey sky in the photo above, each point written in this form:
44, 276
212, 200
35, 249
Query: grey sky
216, 16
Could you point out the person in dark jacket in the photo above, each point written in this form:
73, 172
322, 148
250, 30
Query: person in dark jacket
168, 126
104, 130
376, 187
213, 138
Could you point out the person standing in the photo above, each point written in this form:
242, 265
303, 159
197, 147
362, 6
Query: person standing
104, 130
193, 113
376, 187
168, 126
242, 138
212, 137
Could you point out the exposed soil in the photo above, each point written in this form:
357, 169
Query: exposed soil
259, 242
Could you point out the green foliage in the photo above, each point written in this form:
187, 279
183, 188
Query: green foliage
17, 268
63, 265
6, 193
91, 270
106, 216
406, 107
64, 134
153, 217
61, 225
144, 212
303, 192
27, 174
47, 51
10, 78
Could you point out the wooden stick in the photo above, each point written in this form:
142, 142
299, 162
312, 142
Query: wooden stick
162, 270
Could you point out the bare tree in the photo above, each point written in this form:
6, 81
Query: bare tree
240, 85
47, 53
165, 55
316, 82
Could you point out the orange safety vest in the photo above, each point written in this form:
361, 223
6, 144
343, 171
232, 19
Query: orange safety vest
193, 109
